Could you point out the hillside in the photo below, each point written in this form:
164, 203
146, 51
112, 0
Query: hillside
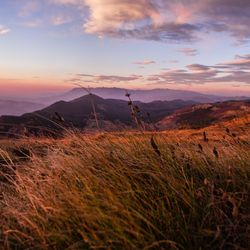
16, 106
115, 115
203, 115
166, 190
78, 113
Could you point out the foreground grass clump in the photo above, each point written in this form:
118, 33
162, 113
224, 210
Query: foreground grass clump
111, 191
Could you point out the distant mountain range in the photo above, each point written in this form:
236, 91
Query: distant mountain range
112, 114
149, 95
14, 106
115, 114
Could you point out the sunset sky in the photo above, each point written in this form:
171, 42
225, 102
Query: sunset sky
48, 45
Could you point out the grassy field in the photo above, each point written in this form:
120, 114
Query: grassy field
166, 190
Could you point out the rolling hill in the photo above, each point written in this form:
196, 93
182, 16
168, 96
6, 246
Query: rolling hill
78, 113
203, 115
115, 115
19, 106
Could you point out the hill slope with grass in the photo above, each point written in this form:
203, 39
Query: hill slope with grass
166, 190
203, 115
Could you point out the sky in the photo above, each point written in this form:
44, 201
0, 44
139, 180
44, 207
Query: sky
53, 45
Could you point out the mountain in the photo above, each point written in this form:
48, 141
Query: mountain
203, 115
148, 95
115, 114
9, 107
21, 105
78, 113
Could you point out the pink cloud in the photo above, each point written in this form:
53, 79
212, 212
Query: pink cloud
145, 62
61, 19
29, 7
165, 20
3, 30
189, 51
158, 20
117, 14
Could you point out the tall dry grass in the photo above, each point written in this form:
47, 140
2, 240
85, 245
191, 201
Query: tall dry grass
113, 191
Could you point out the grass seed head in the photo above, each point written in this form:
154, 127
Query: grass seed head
216, 153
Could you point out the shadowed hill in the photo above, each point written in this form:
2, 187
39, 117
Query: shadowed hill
78, 112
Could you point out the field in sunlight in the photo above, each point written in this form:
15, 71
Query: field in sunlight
186, 189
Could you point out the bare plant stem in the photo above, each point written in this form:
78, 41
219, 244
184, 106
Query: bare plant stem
92, 104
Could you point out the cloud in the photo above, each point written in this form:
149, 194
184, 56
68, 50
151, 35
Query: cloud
198, 67
229, 16
192, 74
145, 62
166, 20
141, 19
179, 21
61, 19
79, 78
182, 76
109, 15
43, 13
239, 62
65, 2
189, 51
113, 78
33, 23
235, 71
3, 30
174, 61
29, 8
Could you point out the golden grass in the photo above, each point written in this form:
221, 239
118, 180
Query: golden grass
113, 191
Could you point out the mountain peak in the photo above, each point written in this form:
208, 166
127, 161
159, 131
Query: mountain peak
147, 95
87, 97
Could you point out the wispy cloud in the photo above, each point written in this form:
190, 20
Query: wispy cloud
61, 19
188, 51
65, 2
34, 23
239, 62
4, 30
234, 71
145, 62
29, 8
88, 78
228, 72
198, 67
